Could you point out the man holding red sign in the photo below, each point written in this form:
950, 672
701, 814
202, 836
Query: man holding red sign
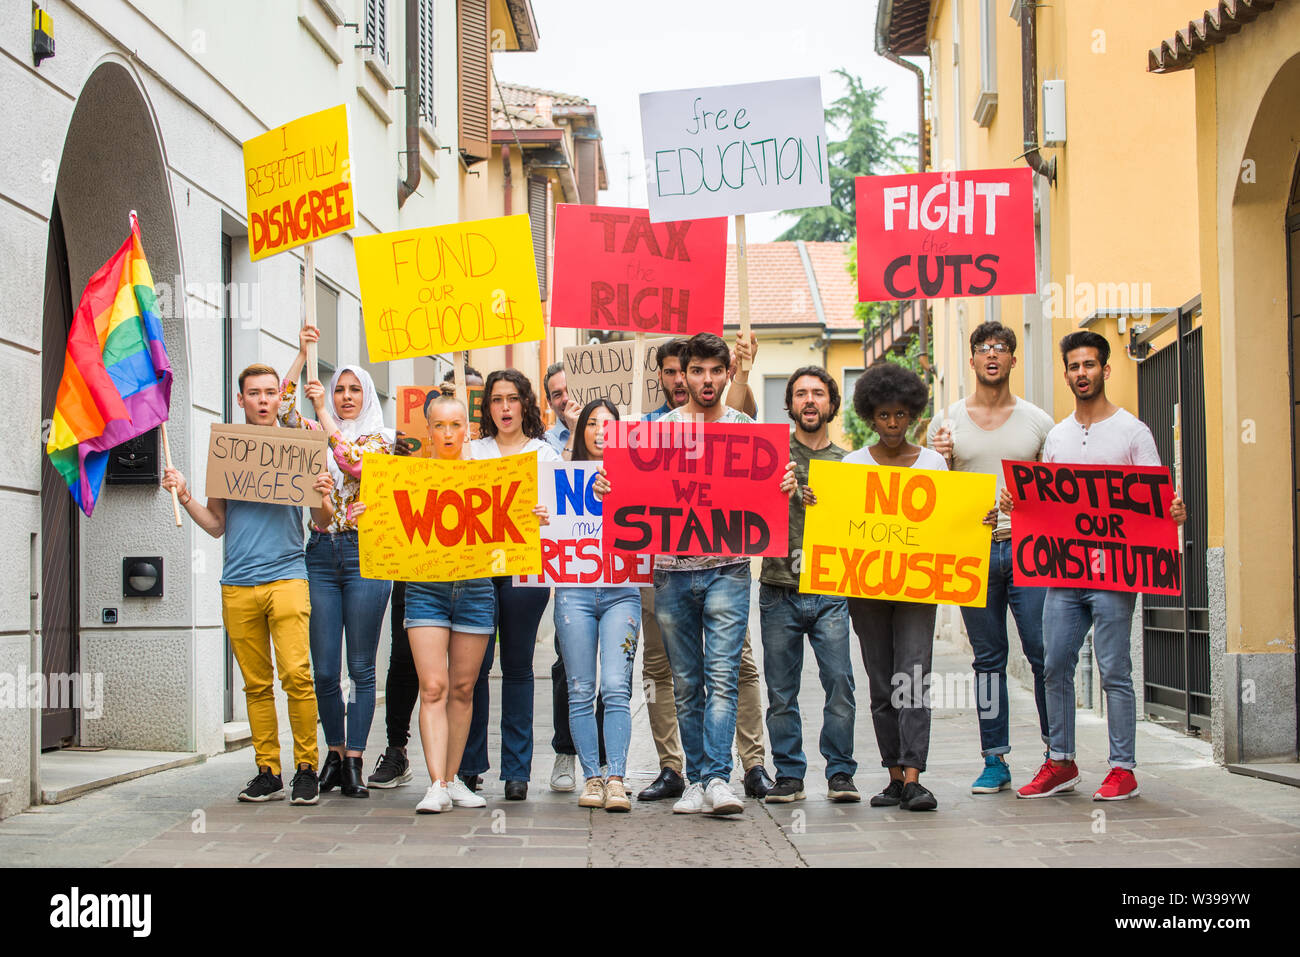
703, 543
1099, 433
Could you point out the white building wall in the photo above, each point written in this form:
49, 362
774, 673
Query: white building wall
213, 74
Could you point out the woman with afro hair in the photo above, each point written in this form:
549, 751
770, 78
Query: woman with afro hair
896, 637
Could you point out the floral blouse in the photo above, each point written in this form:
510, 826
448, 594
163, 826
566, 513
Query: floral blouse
347, 455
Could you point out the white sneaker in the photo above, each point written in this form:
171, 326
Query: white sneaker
436, 800
462, 796
562, 778
691, 801
720, 799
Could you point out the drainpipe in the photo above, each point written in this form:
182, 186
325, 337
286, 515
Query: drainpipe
507, 206
34, 652
407, 186
1029, 90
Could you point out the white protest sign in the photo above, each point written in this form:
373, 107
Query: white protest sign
730, 150
572, 555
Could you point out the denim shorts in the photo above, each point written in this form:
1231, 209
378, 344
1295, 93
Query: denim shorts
468, 606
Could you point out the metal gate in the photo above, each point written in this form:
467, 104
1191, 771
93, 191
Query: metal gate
1176, 630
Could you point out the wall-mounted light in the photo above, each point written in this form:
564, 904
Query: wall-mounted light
42, 35
142, 577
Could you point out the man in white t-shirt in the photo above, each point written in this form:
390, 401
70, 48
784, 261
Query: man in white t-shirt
976, 435
1098, 433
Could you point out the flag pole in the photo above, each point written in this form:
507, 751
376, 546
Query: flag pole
134, 223
637, 406
167, 457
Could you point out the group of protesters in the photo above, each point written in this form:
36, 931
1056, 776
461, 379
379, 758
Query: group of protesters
310, 609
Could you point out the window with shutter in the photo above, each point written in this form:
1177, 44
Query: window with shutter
537, 216
474, 70
377, 28
426, 61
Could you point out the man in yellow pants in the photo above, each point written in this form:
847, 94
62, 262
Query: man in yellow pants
265, 607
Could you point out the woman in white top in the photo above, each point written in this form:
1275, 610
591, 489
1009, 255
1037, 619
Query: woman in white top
511, 421
896, 637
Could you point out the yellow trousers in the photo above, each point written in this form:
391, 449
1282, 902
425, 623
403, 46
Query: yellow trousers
260, 618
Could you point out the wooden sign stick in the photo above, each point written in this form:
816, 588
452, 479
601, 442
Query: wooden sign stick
167, 457
309, 299
742, 283
460, 360
636, 409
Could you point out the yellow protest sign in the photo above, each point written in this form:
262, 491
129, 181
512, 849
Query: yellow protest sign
898, 534
444, 288
430, 520
299, 182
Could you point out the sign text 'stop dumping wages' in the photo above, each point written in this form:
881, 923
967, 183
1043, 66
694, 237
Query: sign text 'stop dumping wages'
724, 150
298, 179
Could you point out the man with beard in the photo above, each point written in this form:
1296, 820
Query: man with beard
656, 673
812, 400
1098, 433
977, 433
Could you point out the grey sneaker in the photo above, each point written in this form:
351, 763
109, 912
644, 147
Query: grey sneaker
562, 778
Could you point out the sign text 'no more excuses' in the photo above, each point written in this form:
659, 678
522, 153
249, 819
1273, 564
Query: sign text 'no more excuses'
944, 235
444, 288
725, 150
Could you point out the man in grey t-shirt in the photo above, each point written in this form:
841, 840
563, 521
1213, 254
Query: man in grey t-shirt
976, 435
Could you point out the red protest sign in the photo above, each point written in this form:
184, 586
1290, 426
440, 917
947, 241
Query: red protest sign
1105, 527
688, 488
617, 271
941, 235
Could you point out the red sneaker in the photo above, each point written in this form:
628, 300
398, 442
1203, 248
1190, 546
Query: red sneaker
1120, 785
1052, 778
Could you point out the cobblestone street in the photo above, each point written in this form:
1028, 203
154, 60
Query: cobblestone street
1190, 813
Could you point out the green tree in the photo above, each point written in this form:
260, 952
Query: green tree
868, 149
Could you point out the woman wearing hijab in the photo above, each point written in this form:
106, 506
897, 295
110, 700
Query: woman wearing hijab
512, 425
342, 602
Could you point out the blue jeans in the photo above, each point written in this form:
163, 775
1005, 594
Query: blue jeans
987, 629
604, 622
1067, 615
344, 603
786, 615
702, 616
519, 612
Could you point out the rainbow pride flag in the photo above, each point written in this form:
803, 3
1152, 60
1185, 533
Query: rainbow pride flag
117, 382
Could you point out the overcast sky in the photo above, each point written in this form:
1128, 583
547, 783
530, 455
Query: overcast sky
610, 51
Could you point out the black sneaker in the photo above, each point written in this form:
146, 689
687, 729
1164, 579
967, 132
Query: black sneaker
917, 798
470, 781
890, 796
392, 771
306, 788
265, 787
757, 783
840, 788
785, 790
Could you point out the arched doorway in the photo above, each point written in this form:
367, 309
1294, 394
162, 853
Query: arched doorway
112, 162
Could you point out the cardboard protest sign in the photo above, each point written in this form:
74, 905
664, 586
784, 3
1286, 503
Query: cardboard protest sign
413, 424
298, 179
1094, 526
427, 520
897, 534
724, 150
572, 554
604, 371
941, 235
265, 463
687, 488
617, 271
446, 288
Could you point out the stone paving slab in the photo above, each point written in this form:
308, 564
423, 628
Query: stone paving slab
1191, 812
